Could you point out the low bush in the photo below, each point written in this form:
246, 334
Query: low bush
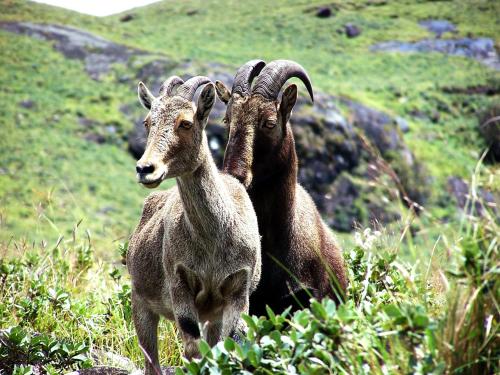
400, 318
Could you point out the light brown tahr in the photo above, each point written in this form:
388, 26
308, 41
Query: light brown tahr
195, 255
298, 248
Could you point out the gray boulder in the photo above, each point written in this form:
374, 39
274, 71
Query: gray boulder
328, 144
477, 206
352, 30
324, 12
438, 27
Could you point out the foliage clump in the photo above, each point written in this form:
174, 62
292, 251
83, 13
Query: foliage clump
22, 352
382, 327
61, 309
394, 321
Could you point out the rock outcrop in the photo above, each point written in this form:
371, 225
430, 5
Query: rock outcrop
477, 205
480, 49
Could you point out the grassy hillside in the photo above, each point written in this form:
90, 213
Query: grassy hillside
102, 177
54, 176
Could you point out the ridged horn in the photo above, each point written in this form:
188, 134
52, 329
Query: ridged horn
189, 87
168, 87
245, 75
275, 74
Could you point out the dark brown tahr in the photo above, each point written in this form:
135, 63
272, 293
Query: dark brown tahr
298, 250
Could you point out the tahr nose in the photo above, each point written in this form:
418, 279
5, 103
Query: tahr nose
144, 168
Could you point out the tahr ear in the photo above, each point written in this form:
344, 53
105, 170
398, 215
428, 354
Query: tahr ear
288, 100
145, 96
205, 103
222, 92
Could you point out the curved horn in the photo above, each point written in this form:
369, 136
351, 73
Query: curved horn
245, 75
168, 87
189, 87
275, 74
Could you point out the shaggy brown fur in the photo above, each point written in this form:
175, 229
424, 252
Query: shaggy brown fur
195, 255
261, 154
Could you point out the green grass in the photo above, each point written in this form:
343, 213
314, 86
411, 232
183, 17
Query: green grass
235, 32
53, 177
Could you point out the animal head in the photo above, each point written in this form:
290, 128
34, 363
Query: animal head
174, 127
260, 138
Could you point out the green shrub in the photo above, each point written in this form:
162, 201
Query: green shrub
383, 327
60, 308
22, 352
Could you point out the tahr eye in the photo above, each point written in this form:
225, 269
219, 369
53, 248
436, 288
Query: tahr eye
185, 124
268, 124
